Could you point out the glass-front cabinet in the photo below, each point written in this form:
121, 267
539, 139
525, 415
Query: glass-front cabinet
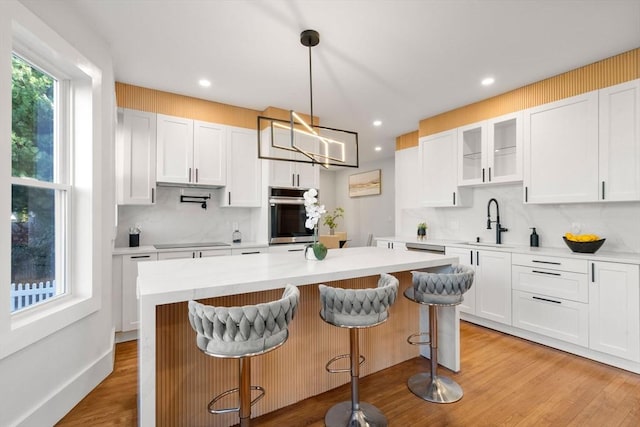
491, 151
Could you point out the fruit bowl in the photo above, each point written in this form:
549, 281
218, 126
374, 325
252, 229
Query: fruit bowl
584, 247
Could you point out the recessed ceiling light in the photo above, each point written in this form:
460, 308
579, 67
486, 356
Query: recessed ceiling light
378, 148
488, 81
377, 122
204, 82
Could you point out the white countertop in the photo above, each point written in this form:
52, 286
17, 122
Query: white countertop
151, 248
176, 280
601, 255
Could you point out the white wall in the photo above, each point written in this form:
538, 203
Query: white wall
617, 222
368, 214
43, 381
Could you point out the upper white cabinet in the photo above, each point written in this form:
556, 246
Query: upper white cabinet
190, 152
135, 157
490, 152
243, 169
614, 309
561, 151
407, 165
438, 164
619, 142
293, 174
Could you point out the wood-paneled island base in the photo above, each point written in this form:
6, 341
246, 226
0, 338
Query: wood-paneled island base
177, 380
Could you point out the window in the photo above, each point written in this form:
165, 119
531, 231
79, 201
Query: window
39, 191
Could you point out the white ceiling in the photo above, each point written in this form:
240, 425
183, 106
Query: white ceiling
398, 61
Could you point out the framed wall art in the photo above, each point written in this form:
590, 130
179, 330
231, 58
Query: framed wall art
365, 183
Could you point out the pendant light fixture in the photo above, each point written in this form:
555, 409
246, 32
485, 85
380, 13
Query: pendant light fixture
303, 141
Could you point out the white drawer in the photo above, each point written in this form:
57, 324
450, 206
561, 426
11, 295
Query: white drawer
552, 317
553, 283
550, 262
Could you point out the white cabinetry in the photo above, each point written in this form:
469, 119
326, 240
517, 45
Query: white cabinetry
619, 142
193, 253
561, 151
614, 309
493, 285
287, 248
438, 165
249, 251
490, 152
190, 152
390, 244
129, 294
550, 297
465, 256
135, 157
243, 169
292, 174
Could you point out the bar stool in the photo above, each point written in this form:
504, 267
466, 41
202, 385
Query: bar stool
441, 287
356, 309
242, 333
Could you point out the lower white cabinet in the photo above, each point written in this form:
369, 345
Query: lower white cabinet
614, 309
468, 304
554, 317
129, 294
490, 295
390, 244
193, 253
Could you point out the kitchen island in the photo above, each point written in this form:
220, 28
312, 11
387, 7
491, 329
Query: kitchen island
176, 380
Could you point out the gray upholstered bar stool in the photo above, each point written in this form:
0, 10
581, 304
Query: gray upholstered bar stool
356, 309
242, 333
440, 287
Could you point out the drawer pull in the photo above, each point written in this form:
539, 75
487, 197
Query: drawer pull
546, 272
547, 262
140, 256
295, 250
547, 300
249, 253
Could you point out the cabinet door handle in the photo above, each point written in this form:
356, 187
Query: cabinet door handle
477, 258
546, 272
471, 253
454, 198
196, 174
153, 195
229, 197
140, 256
189, 174
482, 174
547, 262
602, 190
593, 272
298, 176
547, 300
293, 179
489, 174
526, 194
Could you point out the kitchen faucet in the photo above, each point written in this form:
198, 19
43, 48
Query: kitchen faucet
499, 228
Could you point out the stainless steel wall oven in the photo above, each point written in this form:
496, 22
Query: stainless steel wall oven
287, 216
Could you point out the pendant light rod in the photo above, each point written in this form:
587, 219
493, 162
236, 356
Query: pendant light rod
310, 38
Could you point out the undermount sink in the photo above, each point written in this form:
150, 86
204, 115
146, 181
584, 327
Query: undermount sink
491, 245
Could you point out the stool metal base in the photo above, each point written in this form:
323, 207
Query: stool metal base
342, 415
439, 390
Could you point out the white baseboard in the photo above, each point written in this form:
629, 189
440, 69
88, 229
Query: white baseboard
60, 402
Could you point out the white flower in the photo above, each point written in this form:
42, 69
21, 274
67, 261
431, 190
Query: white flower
313, 210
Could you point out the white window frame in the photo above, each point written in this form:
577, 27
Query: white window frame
26, 35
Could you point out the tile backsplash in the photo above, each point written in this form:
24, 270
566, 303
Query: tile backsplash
618, 222
169, 221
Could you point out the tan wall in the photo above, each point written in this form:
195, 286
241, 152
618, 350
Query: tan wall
156, 101
608, 72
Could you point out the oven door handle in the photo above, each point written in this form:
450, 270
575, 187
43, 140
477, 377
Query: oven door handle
285, 201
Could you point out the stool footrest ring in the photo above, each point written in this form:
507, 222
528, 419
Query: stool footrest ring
335, 359
212, 410
416, 335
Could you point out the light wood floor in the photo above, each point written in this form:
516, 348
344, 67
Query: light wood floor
507, 381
